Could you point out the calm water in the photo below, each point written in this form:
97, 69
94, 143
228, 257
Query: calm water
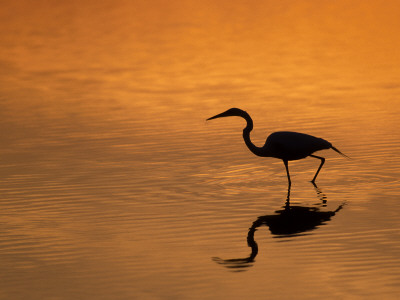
113, 186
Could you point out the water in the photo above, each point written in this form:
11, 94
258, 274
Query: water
113, 186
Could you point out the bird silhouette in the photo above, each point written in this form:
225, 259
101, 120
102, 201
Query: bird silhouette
285, 145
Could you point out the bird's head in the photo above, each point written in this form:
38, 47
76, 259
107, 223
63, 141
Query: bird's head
229, 113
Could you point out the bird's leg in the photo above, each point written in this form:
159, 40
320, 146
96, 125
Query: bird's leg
320, 166
287, 204
287, 172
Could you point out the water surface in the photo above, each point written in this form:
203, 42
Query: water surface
113, 185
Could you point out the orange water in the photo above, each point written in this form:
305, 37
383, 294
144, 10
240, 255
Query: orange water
113, 186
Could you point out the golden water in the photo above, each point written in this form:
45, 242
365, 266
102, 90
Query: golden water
113, 186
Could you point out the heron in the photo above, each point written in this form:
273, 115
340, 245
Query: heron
285, 145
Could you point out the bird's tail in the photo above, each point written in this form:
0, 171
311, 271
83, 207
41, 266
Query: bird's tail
333, 148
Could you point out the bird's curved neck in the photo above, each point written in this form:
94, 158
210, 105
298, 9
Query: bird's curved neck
246, 136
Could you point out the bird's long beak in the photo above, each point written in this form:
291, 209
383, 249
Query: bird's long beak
224, 114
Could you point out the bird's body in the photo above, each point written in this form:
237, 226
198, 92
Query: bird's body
285, 145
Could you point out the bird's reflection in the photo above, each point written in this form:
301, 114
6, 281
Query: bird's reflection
292, 220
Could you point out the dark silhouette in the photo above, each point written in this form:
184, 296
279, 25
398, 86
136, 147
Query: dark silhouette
284, 145
289, 221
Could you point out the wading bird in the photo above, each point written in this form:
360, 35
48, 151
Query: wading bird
285, 145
